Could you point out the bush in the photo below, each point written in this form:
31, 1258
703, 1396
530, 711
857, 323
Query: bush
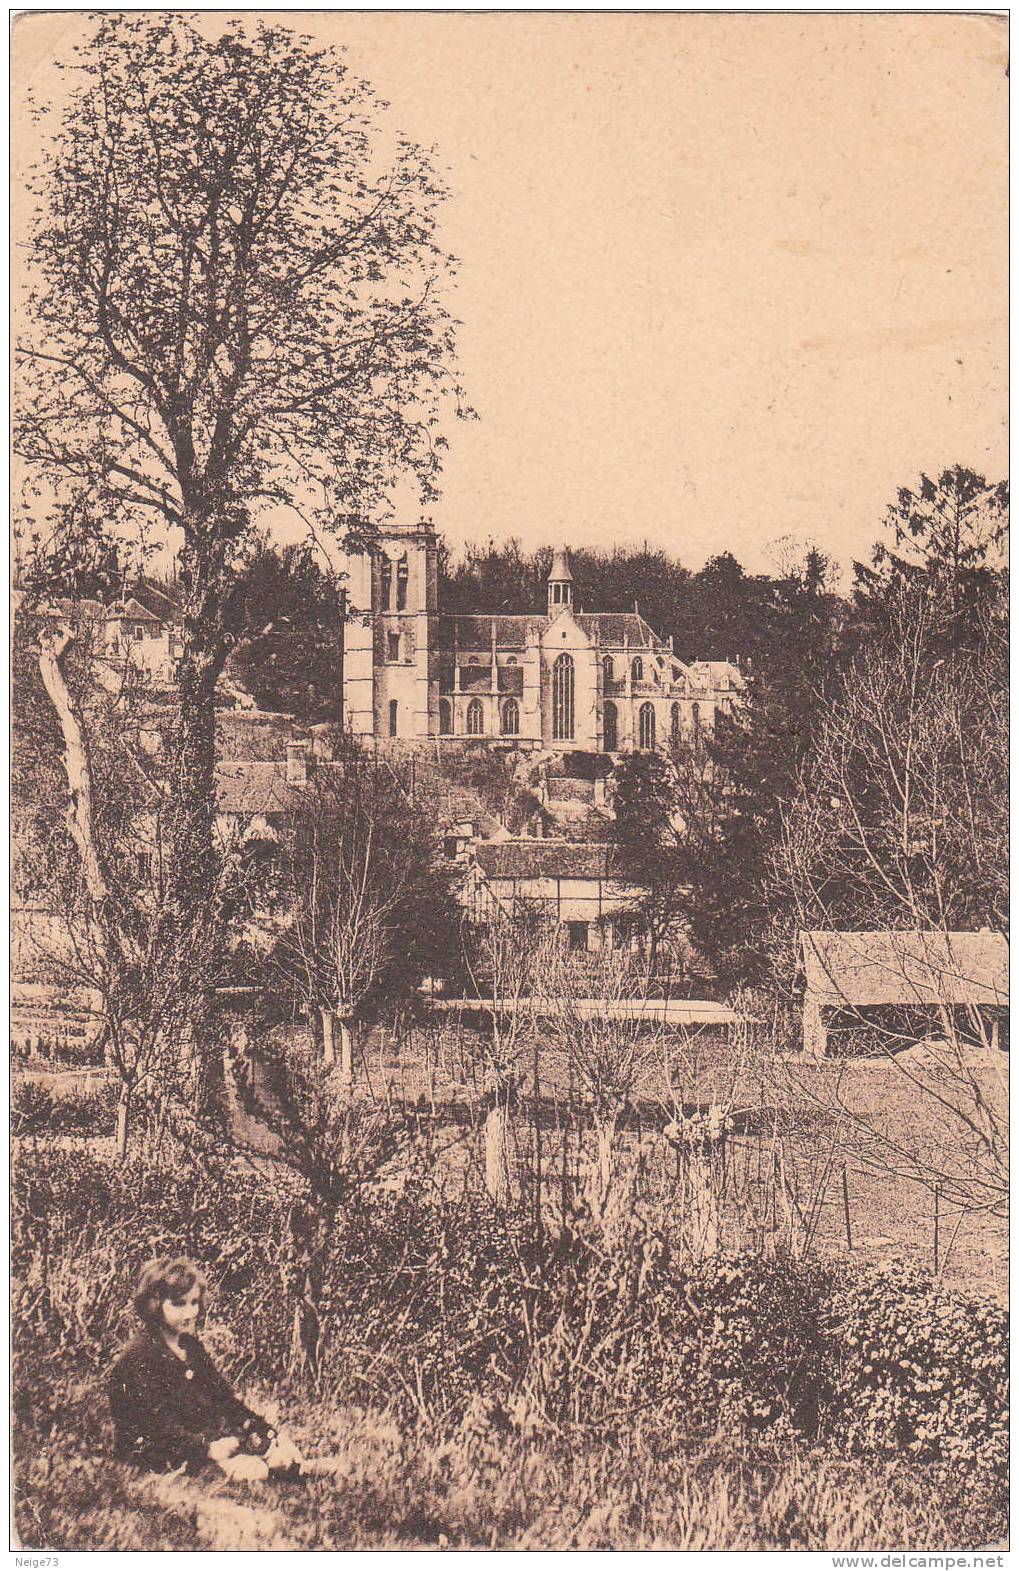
432, 1307
918, 1370
36, 1110
586, 766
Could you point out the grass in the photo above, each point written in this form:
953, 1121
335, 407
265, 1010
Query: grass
499, 1479
483, 1487
891, 1210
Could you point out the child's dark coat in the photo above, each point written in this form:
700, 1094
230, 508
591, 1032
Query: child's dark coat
167, 1411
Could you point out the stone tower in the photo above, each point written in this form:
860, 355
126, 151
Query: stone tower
392, 599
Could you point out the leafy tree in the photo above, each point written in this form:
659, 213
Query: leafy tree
288, 615
235, 306
731, 786
948, 537
645, 835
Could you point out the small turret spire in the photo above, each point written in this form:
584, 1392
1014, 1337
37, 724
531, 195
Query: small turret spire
560, 581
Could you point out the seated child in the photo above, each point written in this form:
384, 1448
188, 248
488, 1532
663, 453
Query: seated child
171, 1407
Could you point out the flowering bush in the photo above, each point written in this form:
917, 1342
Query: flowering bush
918, 1370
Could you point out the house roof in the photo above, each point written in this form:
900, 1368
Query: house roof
131, 610
156, 601
543, 859
248, 789
930, 968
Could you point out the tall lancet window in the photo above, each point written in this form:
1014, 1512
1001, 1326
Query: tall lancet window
385, 584
401, 583
647, 726
562, 699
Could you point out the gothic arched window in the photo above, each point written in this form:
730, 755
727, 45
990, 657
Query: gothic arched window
607, 671
637, 669
401, 583
647, 726
475, 718
675, 724
386, 584
610, 728
562, 699
695, 716
445, 717
511, 718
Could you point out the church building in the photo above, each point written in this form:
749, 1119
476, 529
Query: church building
568, 679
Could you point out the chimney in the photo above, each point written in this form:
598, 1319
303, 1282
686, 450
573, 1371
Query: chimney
297, 763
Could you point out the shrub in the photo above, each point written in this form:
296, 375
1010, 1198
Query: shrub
36, 1110
431, 1307
918, 1370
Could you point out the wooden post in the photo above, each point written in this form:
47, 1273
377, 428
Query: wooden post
347, 1029
815, 1032
845, 1208
328, 1038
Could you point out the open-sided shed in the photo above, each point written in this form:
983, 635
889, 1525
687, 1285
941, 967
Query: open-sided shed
933, 969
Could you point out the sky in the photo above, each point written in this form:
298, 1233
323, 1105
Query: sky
723, 278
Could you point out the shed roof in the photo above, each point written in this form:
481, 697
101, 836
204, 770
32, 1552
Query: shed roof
544, 859
930, 968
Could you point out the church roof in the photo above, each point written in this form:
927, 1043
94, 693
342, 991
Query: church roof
475, 632
609, 629
616, 628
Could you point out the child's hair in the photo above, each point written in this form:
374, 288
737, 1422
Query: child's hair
166, 1278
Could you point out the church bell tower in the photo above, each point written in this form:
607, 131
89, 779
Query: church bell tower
392, 598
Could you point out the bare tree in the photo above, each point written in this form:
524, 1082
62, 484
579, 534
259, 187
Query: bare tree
500, 955
899, 827
360, 909
604, 1020
235, 305
102, 880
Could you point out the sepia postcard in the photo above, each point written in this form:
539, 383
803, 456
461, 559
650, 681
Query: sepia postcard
509, 782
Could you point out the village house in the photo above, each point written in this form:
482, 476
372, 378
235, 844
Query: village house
141, 630
563, 680
567, 882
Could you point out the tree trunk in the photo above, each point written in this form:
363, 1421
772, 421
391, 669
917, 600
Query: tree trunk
81, 818
600, 1173
348, 1045
192, 807
498, 1155
123, 1122
189, 937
